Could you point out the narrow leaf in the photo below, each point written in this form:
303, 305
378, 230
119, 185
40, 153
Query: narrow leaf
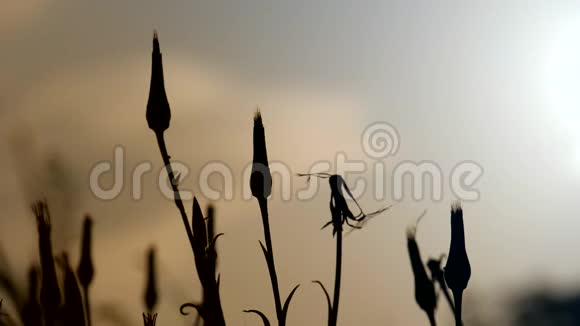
265, 251
287, 303
198, 224
261, 314
211, 246
327, 296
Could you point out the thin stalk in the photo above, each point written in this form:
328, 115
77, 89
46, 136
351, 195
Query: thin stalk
87, 305
432, 319
208, 283
458, 296
270, 261
333, 320
448, 297
178, 202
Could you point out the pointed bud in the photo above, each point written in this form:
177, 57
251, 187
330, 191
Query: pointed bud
198, 225
261, 179
151, 287
424, 288
158, 112
85, 270
457, 269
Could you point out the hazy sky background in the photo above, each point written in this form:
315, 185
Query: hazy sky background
489, 81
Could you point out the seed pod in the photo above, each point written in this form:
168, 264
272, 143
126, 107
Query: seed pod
151, 287
260, 179
85, 270
457, 269
158, 112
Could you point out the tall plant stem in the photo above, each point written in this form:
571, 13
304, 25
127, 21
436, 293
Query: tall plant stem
333, 320
211, 291
177, 197
87, 306
458, 296
270, 261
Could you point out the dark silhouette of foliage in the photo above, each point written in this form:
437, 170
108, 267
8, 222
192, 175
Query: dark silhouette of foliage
340, 214
85, 269
424, 287
261, 187
457, 269
158, 115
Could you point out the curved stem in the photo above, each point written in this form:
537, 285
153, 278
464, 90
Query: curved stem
270, 261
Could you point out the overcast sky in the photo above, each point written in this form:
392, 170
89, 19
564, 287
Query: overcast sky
486, 81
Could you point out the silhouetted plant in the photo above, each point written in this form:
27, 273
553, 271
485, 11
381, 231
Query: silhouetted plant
73, 308
50, 296
261, 187
211, 252
424, 288
151, 296
85, 269
204, 252
437, 275
457, 269
158, 117
149, 319
340, 214
31, 312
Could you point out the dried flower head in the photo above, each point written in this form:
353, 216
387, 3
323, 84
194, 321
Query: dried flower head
261, 178
149, 319
158, 112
